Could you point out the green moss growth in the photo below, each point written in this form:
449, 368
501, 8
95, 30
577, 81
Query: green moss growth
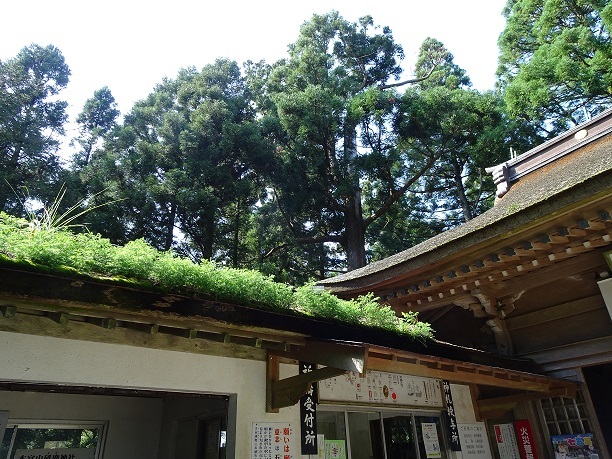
60, 251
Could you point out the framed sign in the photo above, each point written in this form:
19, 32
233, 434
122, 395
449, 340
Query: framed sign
382, 389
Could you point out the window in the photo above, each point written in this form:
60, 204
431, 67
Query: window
566, 416
372, 434
19, 436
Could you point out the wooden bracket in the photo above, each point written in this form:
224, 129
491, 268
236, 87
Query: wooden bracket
287, 392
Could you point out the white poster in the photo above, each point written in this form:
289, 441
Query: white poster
60, 453
382, 388
273, 439
430, 439
506, 441
474, 440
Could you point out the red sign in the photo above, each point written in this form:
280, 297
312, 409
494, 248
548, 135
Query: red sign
524, 436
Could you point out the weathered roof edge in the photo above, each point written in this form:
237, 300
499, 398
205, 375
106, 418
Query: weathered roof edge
591, 177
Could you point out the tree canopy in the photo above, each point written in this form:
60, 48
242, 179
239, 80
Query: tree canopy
316, 163
31, 121
556, 60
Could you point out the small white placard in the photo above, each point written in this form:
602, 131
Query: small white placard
474, 441
506, 441
430, 439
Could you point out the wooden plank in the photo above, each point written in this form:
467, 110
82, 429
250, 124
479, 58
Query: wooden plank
83, 331
560, 311
272, 375
350, 357
204, 324
549, 274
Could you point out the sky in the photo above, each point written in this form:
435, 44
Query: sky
131, 45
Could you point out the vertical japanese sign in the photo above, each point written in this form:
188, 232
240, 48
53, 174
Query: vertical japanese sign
526, 444
506, 441
272, 440
308, 415
452, 420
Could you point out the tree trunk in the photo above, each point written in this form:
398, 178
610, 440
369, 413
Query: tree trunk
236, 239
170, 227
465, 204
206, 233
354, 235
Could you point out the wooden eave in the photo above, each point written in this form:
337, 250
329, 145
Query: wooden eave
340, 358
94, 311
569, 243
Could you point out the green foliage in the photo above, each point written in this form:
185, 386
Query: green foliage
364, 310
58, 249
556, 60
31, 119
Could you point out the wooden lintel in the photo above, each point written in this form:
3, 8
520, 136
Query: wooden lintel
345, 356
510, 401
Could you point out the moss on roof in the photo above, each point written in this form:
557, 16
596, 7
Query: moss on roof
60, 252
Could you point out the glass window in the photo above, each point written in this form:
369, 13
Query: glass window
26, 436
399, 436
365, 436
384, 434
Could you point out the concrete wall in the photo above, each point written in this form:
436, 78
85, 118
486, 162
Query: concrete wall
29, 358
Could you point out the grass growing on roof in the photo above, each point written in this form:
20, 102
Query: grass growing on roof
59, 250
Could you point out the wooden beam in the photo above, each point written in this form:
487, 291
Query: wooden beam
287, 392
346, 356
272, 375
561, 311
381, 359
494, 405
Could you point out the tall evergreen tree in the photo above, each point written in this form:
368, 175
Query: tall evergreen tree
183, 163
329, 108
31, 121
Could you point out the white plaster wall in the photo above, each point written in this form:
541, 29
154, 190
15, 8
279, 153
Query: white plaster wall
28, 358
464, 409
133, 423
462, 401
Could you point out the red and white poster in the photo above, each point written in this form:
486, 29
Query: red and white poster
506, 441
524, 437
271, 440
